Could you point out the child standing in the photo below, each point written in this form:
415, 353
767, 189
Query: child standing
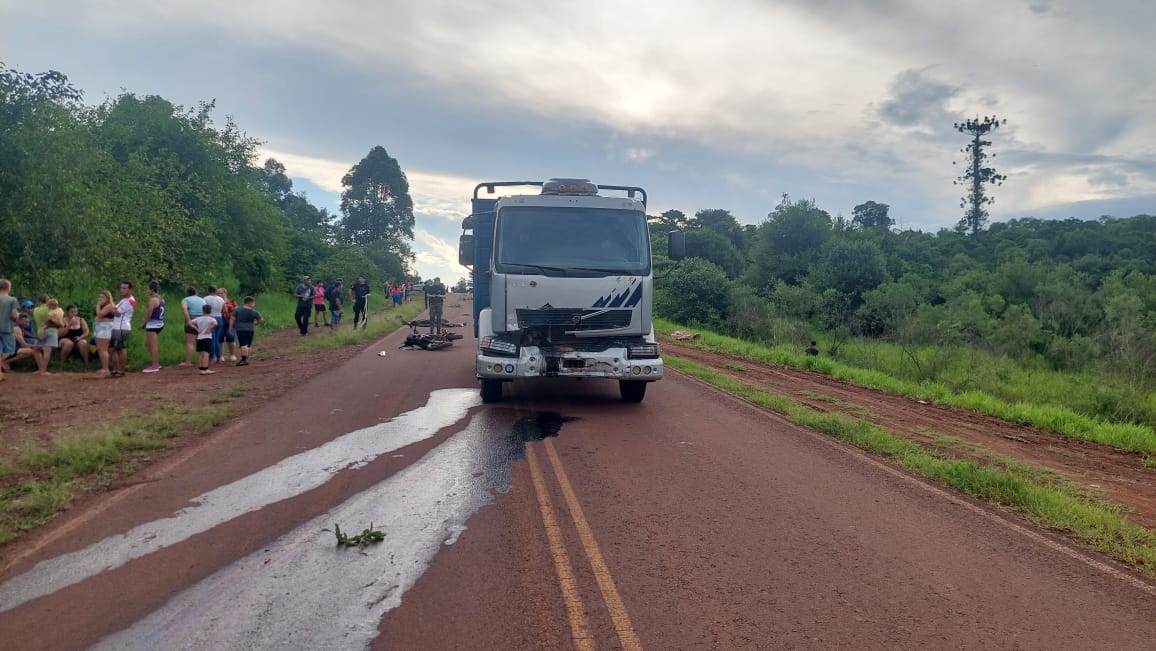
245, 321
204, 324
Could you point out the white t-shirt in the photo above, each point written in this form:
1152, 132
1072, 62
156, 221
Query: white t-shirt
125, 307
216, 304
205, 325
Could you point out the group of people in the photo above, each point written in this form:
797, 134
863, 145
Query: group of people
212, 323
37, 330
326, 303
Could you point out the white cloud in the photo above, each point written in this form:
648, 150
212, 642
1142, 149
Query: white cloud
437, 257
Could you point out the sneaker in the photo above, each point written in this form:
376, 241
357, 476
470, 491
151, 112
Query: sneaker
208, 371
151, 369
243, 362
232, 358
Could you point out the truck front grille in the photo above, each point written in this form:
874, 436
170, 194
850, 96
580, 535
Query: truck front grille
574, 319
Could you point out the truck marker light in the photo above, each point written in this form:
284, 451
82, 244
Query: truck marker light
509, 368
637, 370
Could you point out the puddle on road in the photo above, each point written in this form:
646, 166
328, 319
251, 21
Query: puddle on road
303, 592
288, 478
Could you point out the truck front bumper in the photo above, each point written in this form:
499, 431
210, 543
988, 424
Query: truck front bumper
533, 362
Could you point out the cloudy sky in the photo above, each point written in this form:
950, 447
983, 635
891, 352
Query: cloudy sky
725, 104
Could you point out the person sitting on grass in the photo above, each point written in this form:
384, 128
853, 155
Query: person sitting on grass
75, 337
204, 325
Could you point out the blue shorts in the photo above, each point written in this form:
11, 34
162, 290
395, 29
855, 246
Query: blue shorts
335, 316
7, 343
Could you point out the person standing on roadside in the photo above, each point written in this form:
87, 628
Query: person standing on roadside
102, 323
49, 334
304, 294
319, 313
228, 335
205, 325
336, 302
361, 292
217, 306
121, 327
436, 296
245, 322
191, 306
9, 318
154, 323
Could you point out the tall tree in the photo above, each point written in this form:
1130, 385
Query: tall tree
376, 203
977, 174
871, 215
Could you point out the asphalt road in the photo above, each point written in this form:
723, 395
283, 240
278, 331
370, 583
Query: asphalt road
559, 518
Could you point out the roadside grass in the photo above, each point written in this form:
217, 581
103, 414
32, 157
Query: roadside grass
1033, 492
380, 323
1053, 418
42, 479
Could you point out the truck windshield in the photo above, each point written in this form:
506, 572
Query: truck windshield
571, 241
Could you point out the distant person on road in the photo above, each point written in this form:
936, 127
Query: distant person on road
205, 325
191, 306
245, 322
304, 294
361, 292
336, 302
813, 349
435, 295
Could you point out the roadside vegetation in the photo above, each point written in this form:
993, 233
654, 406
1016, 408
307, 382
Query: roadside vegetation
1046, 500
40, 479
1051, 417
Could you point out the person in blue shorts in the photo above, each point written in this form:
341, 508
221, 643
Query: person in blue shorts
336, 302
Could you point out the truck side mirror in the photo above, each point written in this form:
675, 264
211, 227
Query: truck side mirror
676, 245
466, 250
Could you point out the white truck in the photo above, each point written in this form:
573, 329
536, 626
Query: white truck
563, 284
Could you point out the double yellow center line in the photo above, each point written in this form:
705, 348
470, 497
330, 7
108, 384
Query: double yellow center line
579, 626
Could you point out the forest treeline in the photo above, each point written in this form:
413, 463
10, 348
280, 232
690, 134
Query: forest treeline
139, 188
1067, 295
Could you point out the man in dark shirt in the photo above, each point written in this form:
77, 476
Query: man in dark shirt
304, 296
435, 294
336, 302
360, 303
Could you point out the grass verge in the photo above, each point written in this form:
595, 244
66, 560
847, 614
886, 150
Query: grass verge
42, 480
1051, 504
1134, 438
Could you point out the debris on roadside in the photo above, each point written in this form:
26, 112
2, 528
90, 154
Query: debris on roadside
683, 335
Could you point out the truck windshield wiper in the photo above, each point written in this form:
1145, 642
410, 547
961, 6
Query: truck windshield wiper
543, 269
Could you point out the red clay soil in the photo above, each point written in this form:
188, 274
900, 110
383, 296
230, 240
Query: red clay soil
1115, 475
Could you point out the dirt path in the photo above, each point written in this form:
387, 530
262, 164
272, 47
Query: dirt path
1118, 476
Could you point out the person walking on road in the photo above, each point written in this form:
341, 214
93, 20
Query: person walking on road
304, 294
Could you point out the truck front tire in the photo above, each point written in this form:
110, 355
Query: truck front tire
632, 391
491, 390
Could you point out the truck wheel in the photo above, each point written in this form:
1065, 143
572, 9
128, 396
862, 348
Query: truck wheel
632, 391
491, 390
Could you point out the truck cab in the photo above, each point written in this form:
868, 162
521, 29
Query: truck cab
562, 284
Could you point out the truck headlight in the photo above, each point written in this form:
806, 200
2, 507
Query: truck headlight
642, 351
499, 346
